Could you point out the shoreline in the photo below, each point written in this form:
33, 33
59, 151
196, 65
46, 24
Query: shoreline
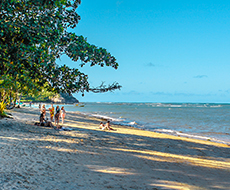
165, 131
34, 157
172, 132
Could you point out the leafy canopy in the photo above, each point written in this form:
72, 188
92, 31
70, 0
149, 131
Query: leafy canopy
33, 34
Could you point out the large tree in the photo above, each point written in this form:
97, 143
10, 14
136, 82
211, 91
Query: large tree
33, 34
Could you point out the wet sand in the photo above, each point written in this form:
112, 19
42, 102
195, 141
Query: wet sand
35, 157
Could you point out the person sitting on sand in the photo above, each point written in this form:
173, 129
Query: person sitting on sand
49, 124
45, 123
41, 118
107, 126
102, 126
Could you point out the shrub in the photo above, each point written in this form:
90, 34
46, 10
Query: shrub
2, 108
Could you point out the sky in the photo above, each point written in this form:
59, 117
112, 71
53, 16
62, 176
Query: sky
168, 51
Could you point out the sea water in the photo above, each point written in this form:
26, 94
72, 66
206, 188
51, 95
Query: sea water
202, 121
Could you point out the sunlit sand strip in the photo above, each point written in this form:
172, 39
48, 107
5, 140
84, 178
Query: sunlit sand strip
167, 157
151, 134
58, 149
175, 185
10, 138
141, 133
112, 170
53, 139
80, 124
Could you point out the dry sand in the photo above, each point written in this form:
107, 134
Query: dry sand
33, 157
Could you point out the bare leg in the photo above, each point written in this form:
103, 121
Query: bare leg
58, 122
63, 118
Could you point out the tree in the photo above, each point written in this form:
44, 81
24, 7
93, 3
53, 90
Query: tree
33, 34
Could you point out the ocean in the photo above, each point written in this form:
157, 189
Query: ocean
205, 121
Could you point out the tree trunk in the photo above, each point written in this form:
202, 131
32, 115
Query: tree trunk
15, 100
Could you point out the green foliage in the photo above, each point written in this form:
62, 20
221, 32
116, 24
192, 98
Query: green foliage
2, 107
42, 96
33, 34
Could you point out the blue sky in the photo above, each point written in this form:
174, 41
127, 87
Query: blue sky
168, 51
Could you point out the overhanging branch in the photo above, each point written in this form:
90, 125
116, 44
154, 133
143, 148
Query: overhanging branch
102, 88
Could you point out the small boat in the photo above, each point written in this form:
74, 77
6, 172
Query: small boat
80, 105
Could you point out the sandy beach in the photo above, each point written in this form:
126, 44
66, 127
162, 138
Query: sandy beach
35, 157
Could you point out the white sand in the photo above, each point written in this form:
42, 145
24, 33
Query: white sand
33, 157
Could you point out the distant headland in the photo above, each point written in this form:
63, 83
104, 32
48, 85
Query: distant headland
64, 98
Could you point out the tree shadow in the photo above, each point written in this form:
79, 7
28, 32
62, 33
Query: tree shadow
87, 158
94, 159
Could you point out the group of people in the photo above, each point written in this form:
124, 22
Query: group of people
61, 113
53, 117
105, 126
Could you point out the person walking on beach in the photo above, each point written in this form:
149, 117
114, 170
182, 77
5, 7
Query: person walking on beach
57, 115
51, 112
63, 113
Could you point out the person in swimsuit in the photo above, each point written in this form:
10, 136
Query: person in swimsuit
63, 113
43, 113
108, 126
57, 115
51, 112
102, 126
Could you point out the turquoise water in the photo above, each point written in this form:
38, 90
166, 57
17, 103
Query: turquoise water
204, 121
